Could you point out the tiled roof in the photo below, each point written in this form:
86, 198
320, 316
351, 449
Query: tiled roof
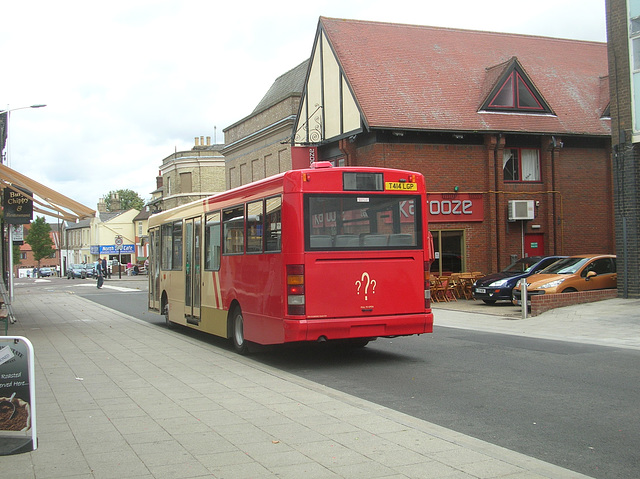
428, 78
287, 84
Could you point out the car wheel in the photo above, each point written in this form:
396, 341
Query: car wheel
489, 301
570, 290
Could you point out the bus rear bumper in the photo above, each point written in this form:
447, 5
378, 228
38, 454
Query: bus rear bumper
347, 328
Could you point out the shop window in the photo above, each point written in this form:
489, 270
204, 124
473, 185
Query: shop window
521, 164
448, 246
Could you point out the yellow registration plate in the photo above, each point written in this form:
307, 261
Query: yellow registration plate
400, 186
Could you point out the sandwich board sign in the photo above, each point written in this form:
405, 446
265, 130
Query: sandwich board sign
17, 396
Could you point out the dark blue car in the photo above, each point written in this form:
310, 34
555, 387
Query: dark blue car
498, 286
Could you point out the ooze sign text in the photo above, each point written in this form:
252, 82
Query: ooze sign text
451, 208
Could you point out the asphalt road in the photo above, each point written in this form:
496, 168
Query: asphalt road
570, 404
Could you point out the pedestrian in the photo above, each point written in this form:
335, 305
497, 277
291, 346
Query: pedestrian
99, 273
105, 272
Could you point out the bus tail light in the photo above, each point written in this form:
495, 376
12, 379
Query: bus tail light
295, 289
427, 284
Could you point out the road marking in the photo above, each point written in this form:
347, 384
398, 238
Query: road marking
116, 288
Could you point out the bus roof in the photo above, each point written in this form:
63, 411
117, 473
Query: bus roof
272, 185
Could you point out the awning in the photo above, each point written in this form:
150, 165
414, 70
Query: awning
45, 200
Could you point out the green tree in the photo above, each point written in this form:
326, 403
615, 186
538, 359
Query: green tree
16, 254
39, 240
128, 199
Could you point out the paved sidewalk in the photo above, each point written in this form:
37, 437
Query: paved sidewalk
611, 322
117, 397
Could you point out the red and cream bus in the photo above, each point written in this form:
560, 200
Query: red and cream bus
318, 254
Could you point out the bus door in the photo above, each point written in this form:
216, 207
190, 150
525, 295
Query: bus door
193, 280
154, 269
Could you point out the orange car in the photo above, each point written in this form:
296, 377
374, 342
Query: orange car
576, 273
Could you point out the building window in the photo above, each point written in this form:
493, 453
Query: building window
515, 91
185, 183
521, 164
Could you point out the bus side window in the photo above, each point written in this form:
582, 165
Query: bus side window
167, 247
255, 226
233, 227
177, 246
212, 242
273, 224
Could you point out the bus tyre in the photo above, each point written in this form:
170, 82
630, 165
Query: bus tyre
358, 342
237, 332
165, 311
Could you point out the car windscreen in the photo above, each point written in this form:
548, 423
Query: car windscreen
523, 265
565, 266
362, 222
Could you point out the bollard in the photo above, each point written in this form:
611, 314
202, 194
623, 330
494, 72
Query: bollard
523, 297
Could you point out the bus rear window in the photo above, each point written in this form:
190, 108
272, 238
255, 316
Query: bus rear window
362, 222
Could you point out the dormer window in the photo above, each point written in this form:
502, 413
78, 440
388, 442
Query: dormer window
514, 92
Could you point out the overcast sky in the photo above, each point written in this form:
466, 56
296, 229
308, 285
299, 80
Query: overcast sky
126, 83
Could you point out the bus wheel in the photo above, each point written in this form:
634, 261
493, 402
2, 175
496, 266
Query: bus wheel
358, 342
237, 332
165, 312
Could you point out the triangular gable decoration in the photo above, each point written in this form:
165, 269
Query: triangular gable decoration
515, 92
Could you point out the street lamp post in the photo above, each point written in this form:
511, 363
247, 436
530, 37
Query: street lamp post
5, 139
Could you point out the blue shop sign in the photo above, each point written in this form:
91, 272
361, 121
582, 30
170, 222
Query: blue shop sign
111, 249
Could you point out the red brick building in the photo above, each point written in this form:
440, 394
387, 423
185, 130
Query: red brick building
28, 262
512, 132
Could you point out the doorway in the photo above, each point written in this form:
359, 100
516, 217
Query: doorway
534, 244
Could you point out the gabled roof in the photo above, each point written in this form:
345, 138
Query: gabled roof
429, 78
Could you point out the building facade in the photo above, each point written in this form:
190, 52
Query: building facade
190, 175
259, 145
87, 240
511, 132
623, 35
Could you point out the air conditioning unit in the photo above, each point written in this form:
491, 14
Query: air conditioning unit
521, 210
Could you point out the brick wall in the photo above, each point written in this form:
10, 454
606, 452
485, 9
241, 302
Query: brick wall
583, 222
626, 155
544, 302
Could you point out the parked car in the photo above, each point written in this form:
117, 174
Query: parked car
90, 269
575, 273
45, 272
76, 271
498, 286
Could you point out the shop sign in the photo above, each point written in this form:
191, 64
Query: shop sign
17, 396
455, 207
18, 207
115, 249
303, 156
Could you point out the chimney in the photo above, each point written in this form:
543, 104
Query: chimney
202, 141
208, 141
115, 202
197, 141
